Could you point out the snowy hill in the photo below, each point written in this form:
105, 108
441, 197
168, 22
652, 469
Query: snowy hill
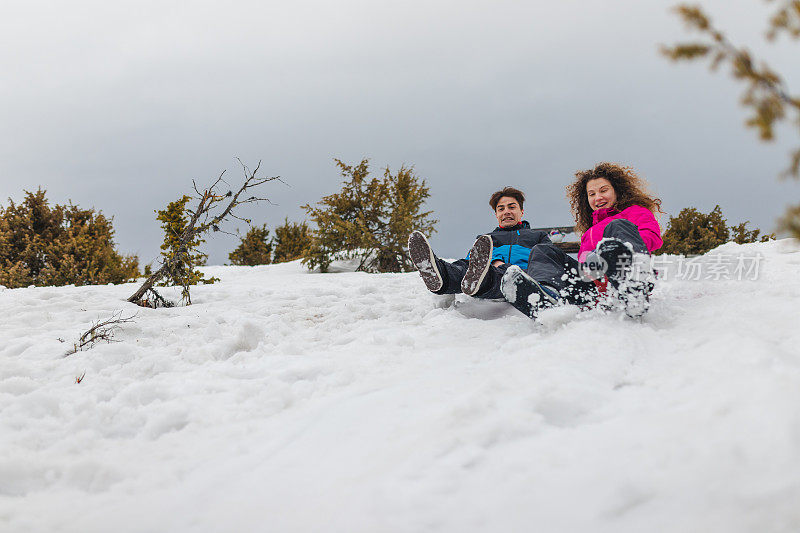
289, 401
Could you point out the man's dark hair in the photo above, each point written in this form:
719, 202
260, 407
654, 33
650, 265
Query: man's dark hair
516, 194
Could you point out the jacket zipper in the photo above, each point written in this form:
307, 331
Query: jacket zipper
510, 246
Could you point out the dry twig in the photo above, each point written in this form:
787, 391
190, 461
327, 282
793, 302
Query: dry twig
102, 330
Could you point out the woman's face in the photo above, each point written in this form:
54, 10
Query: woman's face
600, 193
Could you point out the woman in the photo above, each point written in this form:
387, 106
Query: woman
615, 215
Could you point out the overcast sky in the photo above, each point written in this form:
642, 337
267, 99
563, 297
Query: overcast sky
119, 105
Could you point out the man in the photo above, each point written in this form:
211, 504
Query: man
479, 275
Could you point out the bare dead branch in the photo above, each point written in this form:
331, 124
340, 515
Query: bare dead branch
102, 330
245, 220
211, 210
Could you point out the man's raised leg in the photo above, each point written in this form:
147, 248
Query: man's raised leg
440, 277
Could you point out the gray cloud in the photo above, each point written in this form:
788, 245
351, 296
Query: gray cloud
120, 106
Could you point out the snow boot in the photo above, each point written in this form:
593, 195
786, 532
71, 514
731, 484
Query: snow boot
629, 273
525, 293
480, 259
615, 256
423, 258
634, 285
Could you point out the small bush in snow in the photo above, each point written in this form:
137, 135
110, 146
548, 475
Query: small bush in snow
255, 248
693, 232
291, 240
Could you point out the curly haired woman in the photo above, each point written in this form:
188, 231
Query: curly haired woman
615, 215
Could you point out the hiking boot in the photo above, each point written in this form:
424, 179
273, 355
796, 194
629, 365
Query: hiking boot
525, 293
422, 256
480, 259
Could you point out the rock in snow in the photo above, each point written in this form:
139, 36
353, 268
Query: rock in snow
284, 400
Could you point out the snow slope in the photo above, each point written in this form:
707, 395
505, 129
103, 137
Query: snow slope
289, 401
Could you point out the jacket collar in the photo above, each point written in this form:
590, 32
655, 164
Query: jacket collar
522, 225
605, 212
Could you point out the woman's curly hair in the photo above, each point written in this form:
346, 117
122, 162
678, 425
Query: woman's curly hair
629, 187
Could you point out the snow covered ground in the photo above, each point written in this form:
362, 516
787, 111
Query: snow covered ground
289, 401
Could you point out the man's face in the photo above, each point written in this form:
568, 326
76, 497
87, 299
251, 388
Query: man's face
508, 212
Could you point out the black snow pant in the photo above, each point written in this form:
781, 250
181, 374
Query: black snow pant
550, 265
453, 273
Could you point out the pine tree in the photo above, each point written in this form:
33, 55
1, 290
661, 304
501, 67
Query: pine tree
85, 255
291, 240
182, 256
62, 245
255, 248
26, 229
370, 219
406, 195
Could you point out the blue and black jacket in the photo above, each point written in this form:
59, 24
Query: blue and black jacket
513, 245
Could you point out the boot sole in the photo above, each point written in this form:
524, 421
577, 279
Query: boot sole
480, 258
422, 256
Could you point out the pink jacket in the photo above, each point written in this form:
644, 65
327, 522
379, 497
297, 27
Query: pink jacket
643, 218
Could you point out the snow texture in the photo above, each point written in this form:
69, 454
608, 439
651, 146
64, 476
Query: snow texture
287, 401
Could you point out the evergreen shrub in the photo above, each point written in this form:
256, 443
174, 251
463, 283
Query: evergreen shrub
183, 272
291, 240
59, 245
255, 248
694, 233
369, 220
